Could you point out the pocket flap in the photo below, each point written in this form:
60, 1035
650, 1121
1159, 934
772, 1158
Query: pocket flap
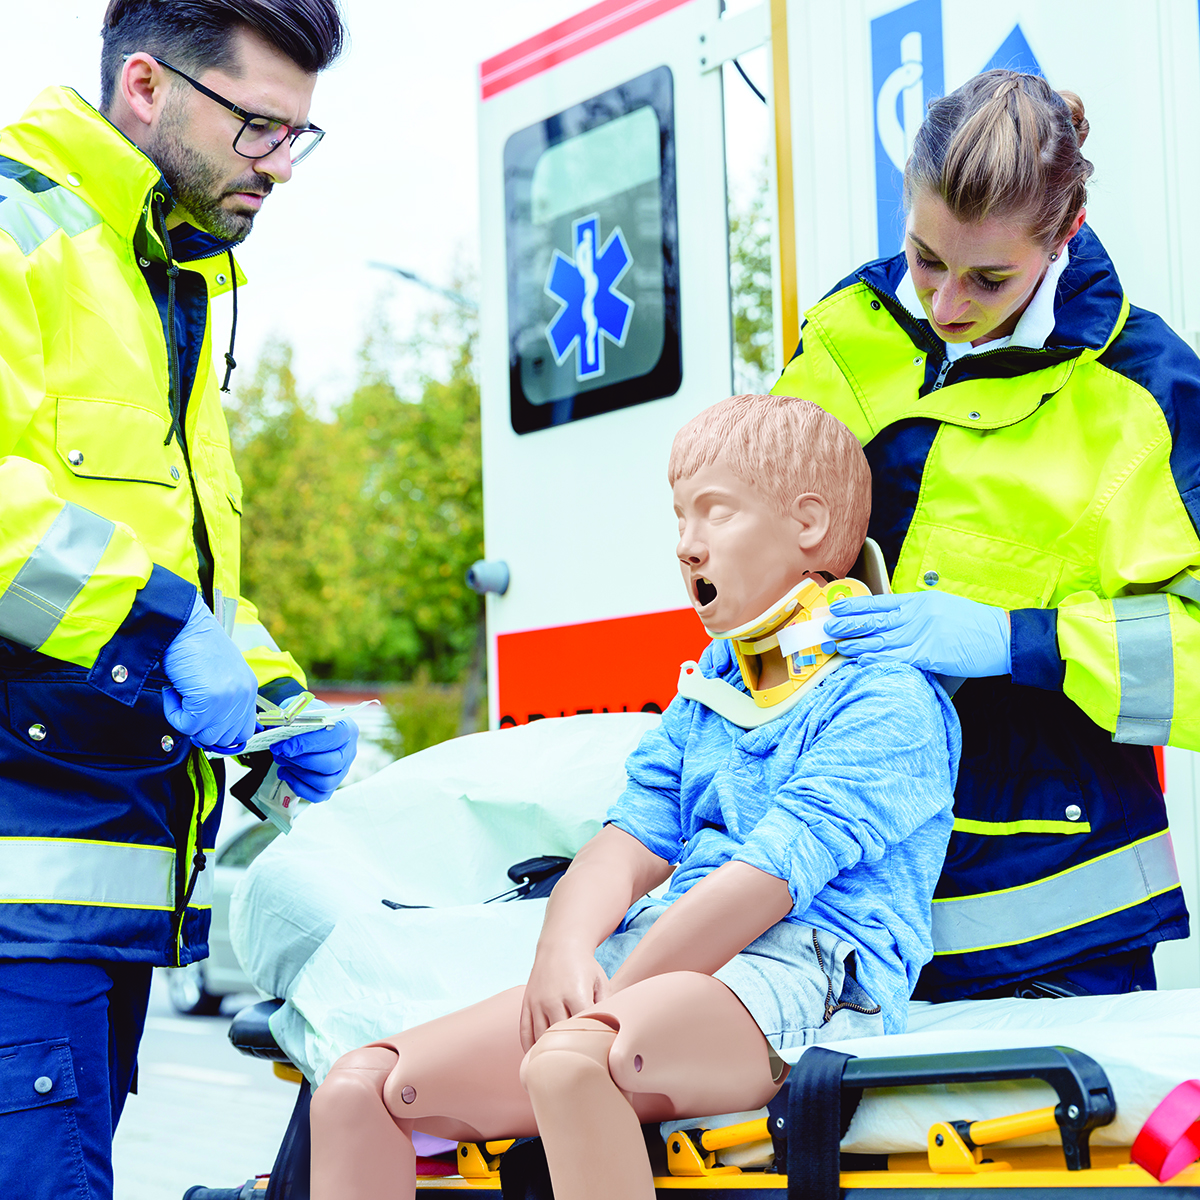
88, 442
36, 1074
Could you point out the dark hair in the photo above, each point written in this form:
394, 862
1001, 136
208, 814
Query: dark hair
197, 34
1005, 144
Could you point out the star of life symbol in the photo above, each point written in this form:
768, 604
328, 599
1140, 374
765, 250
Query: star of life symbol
586, 287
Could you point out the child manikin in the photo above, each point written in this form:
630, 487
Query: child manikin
802, 826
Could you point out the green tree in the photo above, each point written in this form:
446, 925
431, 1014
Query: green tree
754, 367
358, 530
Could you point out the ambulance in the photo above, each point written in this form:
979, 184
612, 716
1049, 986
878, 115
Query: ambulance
605, 326
605, 280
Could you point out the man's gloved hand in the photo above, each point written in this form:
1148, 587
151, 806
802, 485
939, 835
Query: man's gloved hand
212, 693
315, 762
935, 631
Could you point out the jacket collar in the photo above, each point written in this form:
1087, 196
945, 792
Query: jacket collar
1088, 309
65, 139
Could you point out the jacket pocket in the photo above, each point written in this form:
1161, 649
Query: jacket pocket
42, 1156
989, 569
105, 439
67, 718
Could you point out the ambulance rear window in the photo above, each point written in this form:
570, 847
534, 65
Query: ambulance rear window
593, 280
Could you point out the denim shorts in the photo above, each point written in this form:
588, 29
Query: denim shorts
796, 981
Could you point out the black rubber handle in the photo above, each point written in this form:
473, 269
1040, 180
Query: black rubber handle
1085, 1098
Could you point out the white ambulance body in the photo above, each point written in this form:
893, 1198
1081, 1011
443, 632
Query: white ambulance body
605, 277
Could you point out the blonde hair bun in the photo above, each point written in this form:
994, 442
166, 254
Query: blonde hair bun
1073, 102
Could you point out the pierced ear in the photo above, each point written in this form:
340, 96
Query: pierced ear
811, 513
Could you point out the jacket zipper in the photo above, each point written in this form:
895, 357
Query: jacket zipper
943, 371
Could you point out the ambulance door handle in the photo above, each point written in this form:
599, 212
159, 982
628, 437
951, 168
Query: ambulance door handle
488, 576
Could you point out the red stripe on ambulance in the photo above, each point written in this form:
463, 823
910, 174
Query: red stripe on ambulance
592, 27
627, 664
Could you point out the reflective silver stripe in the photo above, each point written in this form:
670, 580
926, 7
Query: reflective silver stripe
53, 575
225, 610
1185, 584
202, 893
67, 871
1147, 664
1080, 894
250, 635
31, 217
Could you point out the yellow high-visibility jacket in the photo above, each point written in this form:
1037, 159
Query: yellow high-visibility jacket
118, 500
1062, 484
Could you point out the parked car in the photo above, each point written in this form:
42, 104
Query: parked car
197, 990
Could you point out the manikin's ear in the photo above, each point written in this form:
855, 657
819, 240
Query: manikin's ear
143, 85
811, 514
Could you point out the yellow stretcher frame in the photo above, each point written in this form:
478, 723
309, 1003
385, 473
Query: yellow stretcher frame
958, 1154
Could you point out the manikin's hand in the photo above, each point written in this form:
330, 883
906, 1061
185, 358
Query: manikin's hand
564, 981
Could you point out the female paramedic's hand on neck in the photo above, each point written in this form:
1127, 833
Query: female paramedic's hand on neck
935, 631
611, 871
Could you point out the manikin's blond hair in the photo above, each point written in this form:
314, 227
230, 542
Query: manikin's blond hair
785, 447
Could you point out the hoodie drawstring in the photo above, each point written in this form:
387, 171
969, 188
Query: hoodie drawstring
230, 364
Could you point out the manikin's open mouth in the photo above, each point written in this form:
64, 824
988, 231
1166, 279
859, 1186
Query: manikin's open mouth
705, 592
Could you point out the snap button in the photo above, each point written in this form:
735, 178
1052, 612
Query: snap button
918, 361
222, 279
974, 416
75, 457
1074, 812
119, 674
168, 744
74, 179
42, 1084
143, 263
875, 305
408, 1094
174, 472
37, 732
931, 578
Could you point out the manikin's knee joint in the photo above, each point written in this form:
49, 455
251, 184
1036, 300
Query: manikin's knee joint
356, 1078
568, 1056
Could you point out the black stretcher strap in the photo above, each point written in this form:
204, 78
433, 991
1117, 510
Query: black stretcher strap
817, 1112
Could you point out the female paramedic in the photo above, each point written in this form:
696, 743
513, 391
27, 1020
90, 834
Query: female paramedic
1034, 442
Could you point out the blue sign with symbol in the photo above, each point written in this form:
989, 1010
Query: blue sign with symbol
1015, 55
592, 309
907, 72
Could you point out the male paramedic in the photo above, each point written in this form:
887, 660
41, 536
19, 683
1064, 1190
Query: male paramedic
125, 651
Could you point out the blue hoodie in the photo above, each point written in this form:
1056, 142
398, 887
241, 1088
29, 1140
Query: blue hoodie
847, 798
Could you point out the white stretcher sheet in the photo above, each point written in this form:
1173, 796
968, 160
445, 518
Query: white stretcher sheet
440, 828
437, 828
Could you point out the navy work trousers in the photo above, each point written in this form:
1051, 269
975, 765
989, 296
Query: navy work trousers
69, 1034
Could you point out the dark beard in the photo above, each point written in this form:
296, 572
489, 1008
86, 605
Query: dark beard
194, 183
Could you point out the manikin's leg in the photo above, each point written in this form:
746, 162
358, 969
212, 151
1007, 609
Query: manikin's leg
457, 1077
676, 1045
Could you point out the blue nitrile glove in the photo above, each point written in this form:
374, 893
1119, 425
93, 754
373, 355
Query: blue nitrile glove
935, 631
212, 692
315, 762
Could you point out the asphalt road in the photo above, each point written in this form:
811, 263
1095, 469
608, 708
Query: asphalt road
203, 1113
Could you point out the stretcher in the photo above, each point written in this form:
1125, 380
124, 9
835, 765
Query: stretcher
320, 912
797, 1146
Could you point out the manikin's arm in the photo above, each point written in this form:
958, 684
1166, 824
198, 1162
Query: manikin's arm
611, 871
714, 920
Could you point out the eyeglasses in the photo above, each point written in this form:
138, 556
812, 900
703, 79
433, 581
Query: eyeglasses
259, 135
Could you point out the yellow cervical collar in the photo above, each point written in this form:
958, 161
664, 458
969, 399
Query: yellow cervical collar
788, 626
